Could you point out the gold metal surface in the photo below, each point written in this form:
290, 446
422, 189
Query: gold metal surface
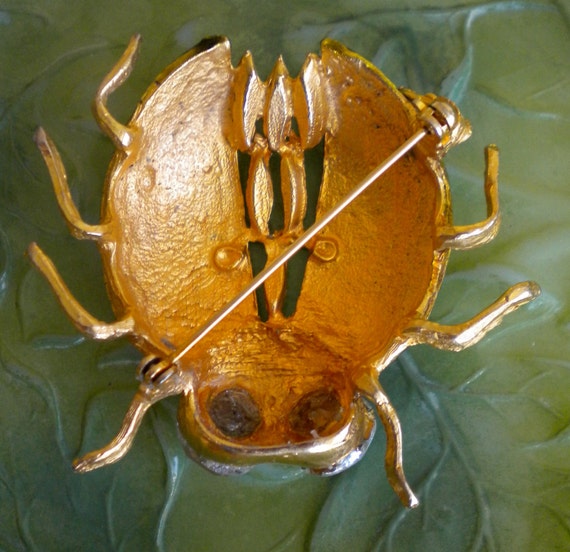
178, 235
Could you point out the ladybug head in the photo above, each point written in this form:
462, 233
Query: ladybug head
272, 395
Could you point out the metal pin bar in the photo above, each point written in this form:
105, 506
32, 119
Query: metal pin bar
309, 234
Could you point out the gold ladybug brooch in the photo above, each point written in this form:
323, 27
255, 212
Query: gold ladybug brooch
267, 294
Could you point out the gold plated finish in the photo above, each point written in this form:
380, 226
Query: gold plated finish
198, 259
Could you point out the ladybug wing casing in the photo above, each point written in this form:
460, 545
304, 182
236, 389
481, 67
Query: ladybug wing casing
173, 200
386, 267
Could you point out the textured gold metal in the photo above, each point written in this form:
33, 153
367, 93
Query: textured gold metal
177, 235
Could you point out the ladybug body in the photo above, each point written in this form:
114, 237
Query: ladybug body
191, 212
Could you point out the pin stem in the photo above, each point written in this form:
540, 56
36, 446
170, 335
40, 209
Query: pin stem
309, 234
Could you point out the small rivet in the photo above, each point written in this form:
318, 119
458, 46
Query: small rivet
228, 257
326, 249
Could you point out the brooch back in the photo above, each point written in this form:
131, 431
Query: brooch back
206, 202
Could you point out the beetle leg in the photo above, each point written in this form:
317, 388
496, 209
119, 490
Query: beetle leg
52, 159
473, 235
372, 389
168, 383
460, 336
82, 320
121, 135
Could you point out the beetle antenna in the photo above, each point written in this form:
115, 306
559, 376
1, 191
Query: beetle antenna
150, 391
373, 391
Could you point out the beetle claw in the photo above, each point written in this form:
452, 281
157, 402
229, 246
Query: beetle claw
457, 337
81, 318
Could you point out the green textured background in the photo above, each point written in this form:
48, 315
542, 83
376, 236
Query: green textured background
487, 440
